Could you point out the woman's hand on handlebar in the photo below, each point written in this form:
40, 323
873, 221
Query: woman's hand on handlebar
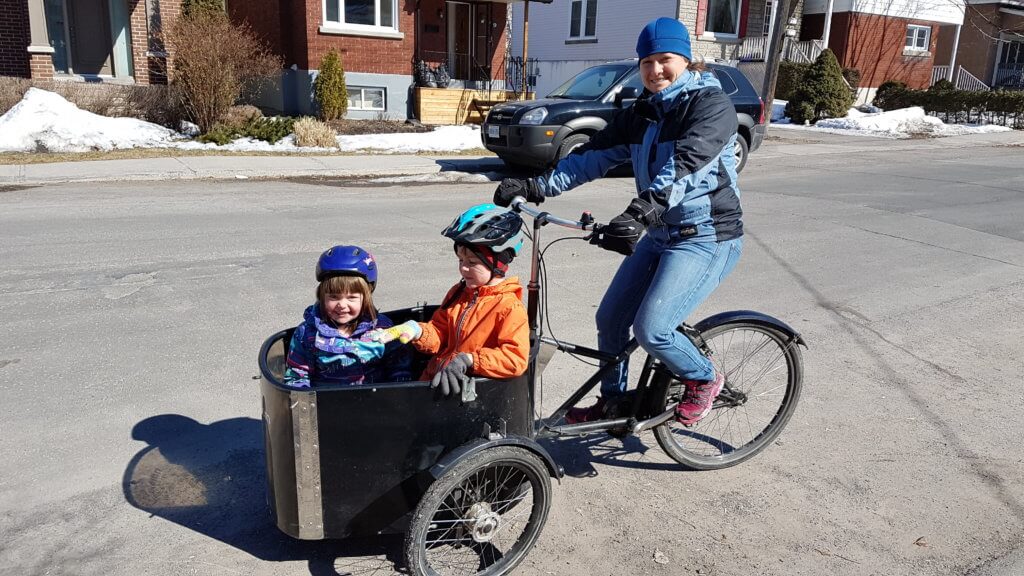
623, 232
512, 187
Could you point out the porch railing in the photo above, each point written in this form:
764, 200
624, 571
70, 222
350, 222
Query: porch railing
755, 49
514, 74
967, 81
939, 73
1009, 76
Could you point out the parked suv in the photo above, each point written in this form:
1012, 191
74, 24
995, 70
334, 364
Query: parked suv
539, 133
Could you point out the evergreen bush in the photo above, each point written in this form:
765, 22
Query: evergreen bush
891, 95
329, 87
791, 74
822, 92
199, 8
258, 128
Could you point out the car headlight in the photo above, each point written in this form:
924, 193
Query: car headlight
535, 116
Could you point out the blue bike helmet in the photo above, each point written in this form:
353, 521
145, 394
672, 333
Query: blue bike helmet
486, 225
347, 261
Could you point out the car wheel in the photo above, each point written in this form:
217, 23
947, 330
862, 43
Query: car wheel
571, 142
741, 152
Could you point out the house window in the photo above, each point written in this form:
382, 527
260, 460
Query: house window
723, 18
767, 18
360, 13
365, 98
583, 19
918, 38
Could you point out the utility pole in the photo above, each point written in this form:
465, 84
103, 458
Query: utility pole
526, 36
771, 72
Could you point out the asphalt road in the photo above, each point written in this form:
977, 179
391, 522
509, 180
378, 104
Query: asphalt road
130, 441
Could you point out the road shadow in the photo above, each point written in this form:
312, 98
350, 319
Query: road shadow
211, 478
577, 455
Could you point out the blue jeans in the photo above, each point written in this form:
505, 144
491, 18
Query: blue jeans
653, 292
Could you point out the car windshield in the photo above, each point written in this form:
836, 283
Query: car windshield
591, 83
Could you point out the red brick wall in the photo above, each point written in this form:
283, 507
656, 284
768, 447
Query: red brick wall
360, 53
874, 45
14, 38
265, 19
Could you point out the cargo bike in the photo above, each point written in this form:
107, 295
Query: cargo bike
464, 478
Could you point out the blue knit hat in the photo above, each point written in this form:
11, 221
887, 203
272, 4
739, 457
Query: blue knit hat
664, 35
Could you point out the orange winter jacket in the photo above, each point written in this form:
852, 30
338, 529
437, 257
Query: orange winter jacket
489, 323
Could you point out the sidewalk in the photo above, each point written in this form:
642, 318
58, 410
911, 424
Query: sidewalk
782, 141
229, 167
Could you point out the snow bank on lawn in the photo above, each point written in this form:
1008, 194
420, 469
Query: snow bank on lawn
44, 121
902, 123
442, 139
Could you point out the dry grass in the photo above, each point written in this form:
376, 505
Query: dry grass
376, 126
312, 132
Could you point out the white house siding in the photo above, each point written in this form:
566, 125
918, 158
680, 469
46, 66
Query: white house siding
559, 58
942, 11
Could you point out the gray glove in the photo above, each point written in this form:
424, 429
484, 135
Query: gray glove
454, 374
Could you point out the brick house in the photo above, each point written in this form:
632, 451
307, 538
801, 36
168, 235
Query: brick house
566, 37
93, 40
379, 41
988, 49
884, 40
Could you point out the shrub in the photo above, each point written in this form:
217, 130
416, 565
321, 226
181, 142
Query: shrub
238, 116
852, 76
822, 93
791, 74
312, 132
268, 129
329, 87
12, 90
193, 8
214, 60
942, 85
890, 95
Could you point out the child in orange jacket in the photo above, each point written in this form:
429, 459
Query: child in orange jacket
482, 327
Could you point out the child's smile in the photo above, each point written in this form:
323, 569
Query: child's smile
343, 308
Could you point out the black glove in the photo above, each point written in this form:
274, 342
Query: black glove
622, 233
453, 376
512, 187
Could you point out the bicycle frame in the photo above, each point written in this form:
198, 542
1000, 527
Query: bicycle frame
628, 422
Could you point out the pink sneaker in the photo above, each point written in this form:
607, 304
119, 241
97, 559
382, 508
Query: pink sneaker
698, 400
589, 414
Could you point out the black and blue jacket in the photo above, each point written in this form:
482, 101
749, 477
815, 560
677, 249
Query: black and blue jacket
681, 142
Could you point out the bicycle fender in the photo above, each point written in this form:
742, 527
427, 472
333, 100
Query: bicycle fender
750, 316
472, 448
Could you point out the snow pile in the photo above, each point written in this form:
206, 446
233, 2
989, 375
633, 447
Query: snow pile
442, 139
44, 121
902, 123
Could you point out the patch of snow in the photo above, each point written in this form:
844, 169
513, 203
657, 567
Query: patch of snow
44, 121
441, 139
902, 123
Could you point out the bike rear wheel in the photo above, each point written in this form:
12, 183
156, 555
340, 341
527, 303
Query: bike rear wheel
763, 371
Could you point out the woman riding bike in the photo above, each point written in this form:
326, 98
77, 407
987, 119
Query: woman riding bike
680, 137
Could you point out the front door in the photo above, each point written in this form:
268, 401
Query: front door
460, 39
89, 28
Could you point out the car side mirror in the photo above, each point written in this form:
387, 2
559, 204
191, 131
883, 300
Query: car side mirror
626, 96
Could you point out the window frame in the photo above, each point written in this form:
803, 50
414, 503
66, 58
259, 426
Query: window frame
362, 97
911, 37
709, 34
584, 5
340, 25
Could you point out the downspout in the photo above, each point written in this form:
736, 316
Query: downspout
526, 36
952, 57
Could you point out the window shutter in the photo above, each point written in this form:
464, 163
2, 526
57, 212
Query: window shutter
702, 15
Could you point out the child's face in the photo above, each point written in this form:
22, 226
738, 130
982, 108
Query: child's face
343, 308
473, 270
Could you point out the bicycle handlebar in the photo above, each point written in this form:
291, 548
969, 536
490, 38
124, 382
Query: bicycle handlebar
586, 221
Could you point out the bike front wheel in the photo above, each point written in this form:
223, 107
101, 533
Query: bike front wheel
763, 372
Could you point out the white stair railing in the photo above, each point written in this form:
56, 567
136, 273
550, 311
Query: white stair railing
967, 81
939, 73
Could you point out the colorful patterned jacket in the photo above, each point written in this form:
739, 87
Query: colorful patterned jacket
318, 354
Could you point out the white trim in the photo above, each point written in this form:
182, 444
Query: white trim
371, 33
41, 50
584, 4
332, 26
912, 46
